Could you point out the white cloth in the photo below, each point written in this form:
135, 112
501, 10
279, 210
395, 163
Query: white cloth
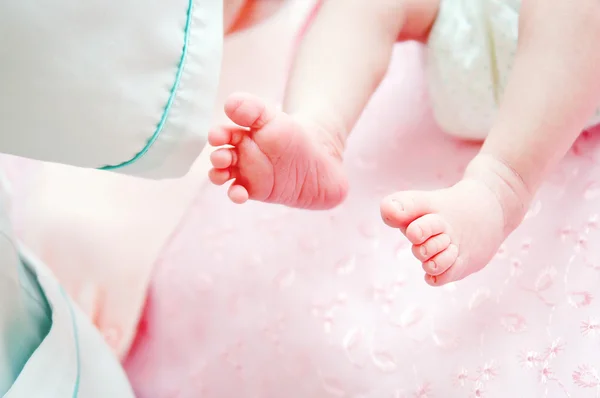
25, 316
126, 86
73, 360
471, 50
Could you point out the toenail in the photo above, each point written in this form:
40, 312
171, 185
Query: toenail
423, 251
432, 264
419, 232
398, 204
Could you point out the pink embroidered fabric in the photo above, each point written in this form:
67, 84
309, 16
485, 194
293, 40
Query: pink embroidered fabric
263, 301
259, 301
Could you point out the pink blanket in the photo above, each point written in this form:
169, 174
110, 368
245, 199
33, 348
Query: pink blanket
264, 301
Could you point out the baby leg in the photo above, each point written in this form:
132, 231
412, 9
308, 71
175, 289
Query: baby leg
294, 157
244, 14
553, 91
232, 9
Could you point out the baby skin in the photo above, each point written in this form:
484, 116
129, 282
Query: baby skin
294, 157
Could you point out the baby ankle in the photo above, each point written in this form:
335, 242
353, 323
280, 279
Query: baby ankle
513, 194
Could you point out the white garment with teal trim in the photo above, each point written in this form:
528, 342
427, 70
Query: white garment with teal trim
25, 316
127, 86
73, 359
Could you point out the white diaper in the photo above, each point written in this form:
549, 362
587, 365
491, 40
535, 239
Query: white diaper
471, 51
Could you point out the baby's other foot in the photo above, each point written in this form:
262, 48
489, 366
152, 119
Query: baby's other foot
456, 231
276, 158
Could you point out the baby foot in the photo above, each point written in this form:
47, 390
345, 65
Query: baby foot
276, 158
456, 231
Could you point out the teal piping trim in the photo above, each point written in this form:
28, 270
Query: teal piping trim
76, 336
169, 104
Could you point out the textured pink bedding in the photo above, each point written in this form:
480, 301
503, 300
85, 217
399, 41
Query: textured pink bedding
263, 301
260, 301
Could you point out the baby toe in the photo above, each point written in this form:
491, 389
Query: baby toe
219, 136
431, 247
223, 158
425, 227
219, 176
400, 209
249, 111
452, 274
442, 261
238, 194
